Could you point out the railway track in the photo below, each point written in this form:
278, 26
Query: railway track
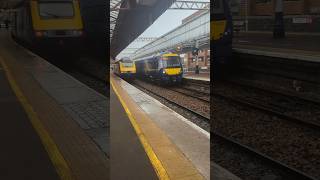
205, 85
199, 115
286, 171
284, 120
293, 95
199, 95
192, 115
269, 110
277, 159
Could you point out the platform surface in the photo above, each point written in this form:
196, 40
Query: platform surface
73, 114
183, 139
294, 46
219, 173
23, 155
128, 159
202, 76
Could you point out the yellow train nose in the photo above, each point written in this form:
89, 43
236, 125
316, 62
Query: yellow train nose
217, 29
172, 71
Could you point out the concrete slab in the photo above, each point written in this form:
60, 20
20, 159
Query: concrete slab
87, 107
83, 150
279, 53
128, 158
219, 173
297, 46
201, 77
22, 150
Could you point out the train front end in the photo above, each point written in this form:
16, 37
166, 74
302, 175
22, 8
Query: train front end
127, 69
170, 68
221, 32
57, 22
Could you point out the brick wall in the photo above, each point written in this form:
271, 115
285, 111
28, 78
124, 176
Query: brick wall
203, 57
261, 15
265, 23
300, 7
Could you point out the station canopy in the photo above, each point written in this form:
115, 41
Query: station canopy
114, 12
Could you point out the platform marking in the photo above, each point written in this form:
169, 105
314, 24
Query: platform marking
156, 163
55, 155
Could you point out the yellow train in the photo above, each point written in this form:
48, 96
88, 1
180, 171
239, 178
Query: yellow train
48, 22
165, 68
125, 68
221, 31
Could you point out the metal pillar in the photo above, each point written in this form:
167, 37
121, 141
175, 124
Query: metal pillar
195, 52
278, 29
197, 65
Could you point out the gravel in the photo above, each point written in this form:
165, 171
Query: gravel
283, 140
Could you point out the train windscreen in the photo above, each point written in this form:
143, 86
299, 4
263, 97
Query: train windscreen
171, 61
218, 10
127, 64
58, 9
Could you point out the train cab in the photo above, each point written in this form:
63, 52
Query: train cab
125, 68
165, 68
48, 22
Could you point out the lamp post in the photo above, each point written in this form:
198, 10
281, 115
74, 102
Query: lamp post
195, 55
278, 28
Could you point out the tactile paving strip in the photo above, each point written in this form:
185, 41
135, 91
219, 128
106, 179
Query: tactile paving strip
89, 114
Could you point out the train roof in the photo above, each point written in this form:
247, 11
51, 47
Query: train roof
165, 54
124, 59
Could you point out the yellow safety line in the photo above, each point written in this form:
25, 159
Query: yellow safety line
55, 155
157, 165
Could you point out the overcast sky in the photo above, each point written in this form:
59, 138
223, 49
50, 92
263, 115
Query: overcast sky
169, 20
166, 22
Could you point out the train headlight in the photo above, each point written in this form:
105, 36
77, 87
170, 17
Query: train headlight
163, 71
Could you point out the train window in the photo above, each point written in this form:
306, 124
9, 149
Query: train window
171, 61
218, 7
59, 9
127, 64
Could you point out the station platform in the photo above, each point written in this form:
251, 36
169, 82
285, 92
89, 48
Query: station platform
202, 76
296, 46
175, 147
21, 147
57, 119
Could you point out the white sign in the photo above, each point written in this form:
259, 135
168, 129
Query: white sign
302, 20
238, 23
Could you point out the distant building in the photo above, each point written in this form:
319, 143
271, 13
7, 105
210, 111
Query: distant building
203, 60
300, 15
203, 55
